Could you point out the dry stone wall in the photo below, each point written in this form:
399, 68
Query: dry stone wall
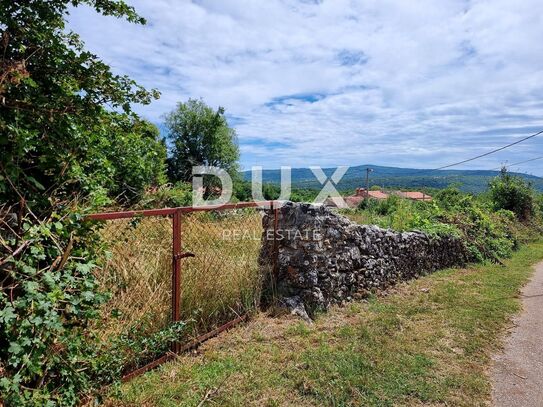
324, 258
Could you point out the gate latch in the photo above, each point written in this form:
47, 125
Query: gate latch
183, 255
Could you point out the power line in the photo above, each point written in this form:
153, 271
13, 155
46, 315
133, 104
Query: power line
520, 162
470, 159
485, 154
481, 155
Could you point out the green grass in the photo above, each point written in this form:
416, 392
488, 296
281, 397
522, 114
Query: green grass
427, 342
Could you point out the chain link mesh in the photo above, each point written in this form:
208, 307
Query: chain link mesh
136, 272
220, 283
222, 280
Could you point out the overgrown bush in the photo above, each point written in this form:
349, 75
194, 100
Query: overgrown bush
132, 349
166, 196
67, 131
488, 224
513, 194
48, 297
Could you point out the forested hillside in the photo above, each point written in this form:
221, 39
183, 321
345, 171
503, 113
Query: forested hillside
474, 181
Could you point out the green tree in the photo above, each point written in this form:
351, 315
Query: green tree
52, 98
200, 135
514, 194
125, 156
59, 142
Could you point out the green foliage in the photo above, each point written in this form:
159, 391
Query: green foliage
55, 133
122, 160
389, 205
133, 348
367, 204
303, 194
270, 191
452, 199
513, 194
48, 296
243, 192
200, 136
402, 214
59, 142
489, 233
166, 196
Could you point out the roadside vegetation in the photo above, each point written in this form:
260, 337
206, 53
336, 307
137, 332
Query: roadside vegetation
493, 229
72, 144
491, 225
427, 341
73, 316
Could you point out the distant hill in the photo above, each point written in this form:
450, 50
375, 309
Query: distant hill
393, 177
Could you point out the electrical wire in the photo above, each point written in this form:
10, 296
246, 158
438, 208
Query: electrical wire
470, 159
483, 155
520, 162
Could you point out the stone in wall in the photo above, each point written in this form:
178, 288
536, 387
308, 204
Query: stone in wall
324, 258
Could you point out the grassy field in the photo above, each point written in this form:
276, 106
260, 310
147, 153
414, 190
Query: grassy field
427, 342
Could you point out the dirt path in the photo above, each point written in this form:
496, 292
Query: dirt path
517, 373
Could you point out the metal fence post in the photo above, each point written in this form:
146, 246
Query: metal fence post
275, 211
176, 272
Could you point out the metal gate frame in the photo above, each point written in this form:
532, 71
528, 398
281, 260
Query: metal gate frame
177, 256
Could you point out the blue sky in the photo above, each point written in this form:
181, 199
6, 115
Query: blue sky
337, 82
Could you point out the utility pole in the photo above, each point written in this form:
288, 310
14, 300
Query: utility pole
368, 170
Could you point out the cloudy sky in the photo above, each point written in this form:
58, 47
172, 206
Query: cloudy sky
338, 82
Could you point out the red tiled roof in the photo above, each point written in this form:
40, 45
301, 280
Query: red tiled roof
416, 195
372, 194
353, 201
378, 195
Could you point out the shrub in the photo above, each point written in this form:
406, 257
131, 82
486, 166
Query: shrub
452, 199
367, 204
48, 297
133, 348
67, 130
167, 196
489, 233
514, 194
484, 234
389, 205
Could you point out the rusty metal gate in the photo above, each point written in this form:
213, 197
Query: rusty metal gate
194, 266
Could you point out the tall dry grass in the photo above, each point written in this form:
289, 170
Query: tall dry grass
221, 281
136, 272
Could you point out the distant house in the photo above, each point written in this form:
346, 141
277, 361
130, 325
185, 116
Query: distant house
360, 194
413, 195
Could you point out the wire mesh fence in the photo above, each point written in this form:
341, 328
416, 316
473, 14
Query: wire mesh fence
221, 281
174, 277
135, 271
136, 265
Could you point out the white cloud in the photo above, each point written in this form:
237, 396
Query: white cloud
343, 82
